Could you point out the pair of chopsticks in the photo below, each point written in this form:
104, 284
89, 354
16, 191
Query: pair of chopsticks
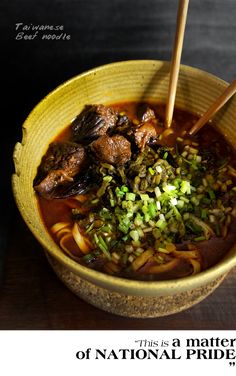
174, 73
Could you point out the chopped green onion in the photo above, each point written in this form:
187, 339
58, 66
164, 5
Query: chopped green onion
138, 220
212, 218
161, 223
185, 187
130, 196
186, 216
95, 201
107, 178
159, 169
123, 228
156, 233
169, 188
134, 235
118, 192
147, 217
211, 194
152, 172
158, 205
203, 213
126, 237
158, 192
162, 250
199, 238
193, 150
144, 197
105, 251
180, 204
90, 228
173, 201
102, 241
152, 209
195, 201
177, 213
184, 199
112, 202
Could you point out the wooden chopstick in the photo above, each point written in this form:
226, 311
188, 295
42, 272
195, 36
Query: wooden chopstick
175, 60
220, 101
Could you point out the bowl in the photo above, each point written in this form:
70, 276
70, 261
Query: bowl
122, 81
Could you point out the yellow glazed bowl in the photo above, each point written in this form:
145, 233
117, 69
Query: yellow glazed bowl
123, 81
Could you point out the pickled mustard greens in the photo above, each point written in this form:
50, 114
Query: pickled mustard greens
155, 202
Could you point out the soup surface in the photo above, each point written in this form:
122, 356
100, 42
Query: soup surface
123, 195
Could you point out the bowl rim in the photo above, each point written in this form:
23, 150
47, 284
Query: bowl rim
119, 284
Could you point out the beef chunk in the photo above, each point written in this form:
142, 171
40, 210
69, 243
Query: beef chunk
148, 115
144, 112
114, 150
80, 185
144, 134
94, 121
123, 124
59, 166
146, 130
123, 121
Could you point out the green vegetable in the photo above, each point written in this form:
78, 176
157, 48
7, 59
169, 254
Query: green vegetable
144, 197
152, 172
152, 209
134, 235
130, 196
211, 194
199, 238
161, 224
159, 197
185, 187
203, 213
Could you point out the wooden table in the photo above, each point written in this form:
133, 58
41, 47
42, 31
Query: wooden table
32, 297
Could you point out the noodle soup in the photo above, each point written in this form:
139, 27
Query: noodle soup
121, 194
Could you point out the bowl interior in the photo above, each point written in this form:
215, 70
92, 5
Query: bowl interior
117, 82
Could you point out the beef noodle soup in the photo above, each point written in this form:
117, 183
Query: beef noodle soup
121, 194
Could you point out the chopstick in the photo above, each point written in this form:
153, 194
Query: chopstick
219, 102
175, 60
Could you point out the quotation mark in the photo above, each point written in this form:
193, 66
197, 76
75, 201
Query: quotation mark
232, 364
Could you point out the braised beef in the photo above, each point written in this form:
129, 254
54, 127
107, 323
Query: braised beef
144, 134
146, 131
59, 166
123, 124
148, 115
80, 185
94, 121
114, 150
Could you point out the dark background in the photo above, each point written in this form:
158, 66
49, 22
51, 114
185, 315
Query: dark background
101, 32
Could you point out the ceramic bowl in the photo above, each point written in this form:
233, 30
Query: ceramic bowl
123, 81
